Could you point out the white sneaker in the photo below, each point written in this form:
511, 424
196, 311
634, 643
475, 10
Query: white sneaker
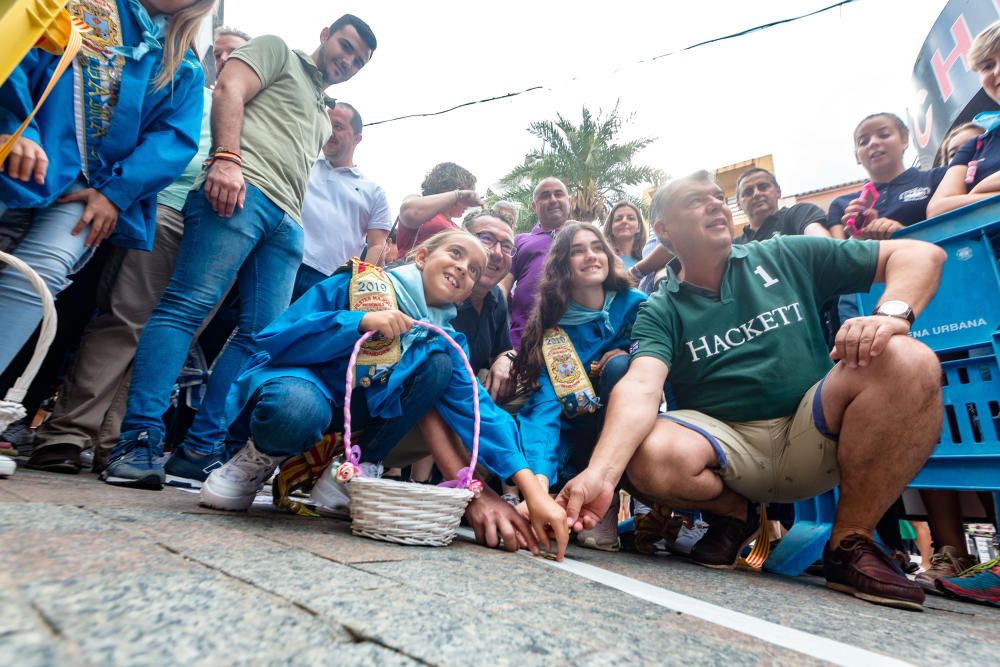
603, 536
331, 496
234, 485
7, 466
688, 537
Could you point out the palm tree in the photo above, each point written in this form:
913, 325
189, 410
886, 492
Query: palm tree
588, 158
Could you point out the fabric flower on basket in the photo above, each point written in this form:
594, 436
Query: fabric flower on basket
347, 471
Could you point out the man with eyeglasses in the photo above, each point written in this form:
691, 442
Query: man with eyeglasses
483, 316
758, 192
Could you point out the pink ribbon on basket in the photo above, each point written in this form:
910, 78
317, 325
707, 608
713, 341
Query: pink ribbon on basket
352, 453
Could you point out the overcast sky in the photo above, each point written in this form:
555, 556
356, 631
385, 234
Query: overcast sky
795, 91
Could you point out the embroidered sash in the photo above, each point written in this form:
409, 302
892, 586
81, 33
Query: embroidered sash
567, 374
370, 291
97, 76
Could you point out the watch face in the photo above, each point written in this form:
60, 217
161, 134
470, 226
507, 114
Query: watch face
896, 308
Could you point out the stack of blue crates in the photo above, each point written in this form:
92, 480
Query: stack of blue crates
961, 324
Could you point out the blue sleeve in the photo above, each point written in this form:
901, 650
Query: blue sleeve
316, 329
168, 141
936, 176
499, 442
17, 94
965, 153
835, 214
540, 421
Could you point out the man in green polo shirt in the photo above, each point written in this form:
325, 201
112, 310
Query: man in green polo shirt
767, 415
242, 222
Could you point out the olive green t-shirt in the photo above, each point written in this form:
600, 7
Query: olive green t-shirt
752, 350
285, 125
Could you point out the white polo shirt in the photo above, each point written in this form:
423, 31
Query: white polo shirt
339, 209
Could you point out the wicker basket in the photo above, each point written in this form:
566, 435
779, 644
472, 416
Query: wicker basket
404, 512
10, 407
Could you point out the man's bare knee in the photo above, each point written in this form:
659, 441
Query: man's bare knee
905, 356
670, 453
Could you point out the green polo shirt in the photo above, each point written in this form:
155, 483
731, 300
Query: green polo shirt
752, 350
285, 125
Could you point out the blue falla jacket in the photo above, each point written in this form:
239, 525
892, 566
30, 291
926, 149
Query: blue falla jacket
152, 134
541, 419
313, 340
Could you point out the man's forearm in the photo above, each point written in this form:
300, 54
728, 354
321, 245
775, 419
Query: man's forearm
417, 211
912, 274
227, 118
654, 261
631, 416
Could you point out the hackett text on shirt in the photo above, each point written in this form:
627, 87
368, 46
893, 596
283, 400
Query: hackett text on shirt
767, 321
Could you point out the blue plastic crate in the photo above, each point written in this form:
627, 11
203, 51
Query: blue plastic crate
968, 455
965, 312
964, 316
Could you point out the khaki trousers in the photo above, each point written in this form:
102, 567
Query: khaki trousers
92, 400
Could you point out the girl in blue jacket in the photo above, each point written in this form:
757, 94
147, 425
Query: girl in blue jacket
584, 297
113, 132
292, 391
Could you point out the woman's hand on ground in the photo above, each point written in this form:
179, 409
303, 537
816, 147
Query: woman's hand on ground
26, 160
98, 211
492, 518
549, 519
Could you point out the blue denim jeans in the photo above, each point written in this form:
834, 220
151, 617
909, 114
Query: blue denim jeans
260, 247
305, 279
55, 254
288, 415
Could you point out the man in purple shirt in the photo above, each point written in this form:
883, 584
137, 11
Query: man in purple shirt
550, 203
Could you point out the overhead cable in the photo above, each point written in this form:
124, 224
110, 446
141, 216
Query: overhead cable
722, 38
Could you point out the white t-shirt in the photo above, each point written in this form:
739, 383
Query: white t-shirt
339, 209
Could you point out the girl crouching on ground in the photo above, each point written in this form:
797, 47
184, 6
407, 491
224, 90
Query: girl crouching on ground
574, 350
292, 391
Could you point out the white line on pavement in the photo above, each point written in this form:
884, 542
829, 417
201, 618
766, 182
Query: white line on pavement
816, 646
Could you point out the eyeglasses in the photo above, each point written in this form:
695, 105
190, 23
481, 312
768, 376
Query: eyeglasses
489, 241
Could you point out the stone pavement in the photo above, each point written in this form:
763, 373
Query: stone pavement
94, 575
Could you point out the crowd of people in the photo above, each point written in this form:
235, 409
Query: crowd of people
698, 369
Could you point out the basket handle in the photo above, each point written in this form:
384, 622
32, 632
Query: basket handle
352, 453
16, 393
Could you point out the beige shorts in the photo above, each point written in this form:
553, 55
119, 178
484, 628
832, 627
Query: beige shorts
772, 460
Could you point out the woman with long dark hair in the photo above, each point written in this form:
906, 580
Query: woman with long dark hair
573, 351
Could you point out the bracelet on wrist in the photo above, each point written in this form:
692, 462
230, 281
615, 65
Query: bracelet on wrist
225, 158
226, 149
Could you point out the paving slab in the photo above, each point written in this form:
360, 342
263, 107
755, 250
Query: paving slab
109, 576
